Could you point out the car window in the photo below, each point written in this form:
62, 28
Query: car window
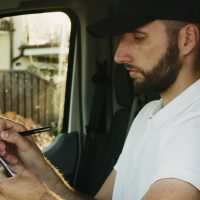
34, 52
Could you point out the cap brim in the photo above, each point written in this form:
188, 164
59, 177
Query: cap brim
117, 25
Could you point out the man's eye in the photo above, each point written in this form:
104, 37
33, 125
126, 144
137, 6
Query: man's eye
139, 38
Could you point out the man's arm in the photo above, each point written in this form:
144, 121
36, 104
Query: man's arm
172, 189
33, 159
25, 186
106, 191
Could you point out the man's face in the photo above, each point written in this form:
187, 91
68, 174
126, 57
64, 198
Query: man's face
151, 57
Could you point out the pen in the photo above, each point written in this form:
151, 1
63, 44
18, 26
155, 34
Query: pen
34, 131
9, 172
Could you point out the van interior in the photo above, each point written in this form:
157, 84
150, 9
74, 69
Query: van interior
54, 73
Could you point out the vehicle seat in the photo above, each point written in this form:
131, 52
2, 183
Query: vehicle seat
109, 146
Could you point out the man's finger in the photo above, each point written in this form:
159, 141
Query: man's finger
2, 124
15, 138
2, 146
12, 160
7, 124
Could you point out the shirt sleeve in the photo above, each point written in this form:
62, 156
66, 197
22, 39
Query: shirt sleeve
179, 151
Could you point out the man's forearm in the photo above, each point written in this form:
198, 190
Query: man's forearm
55, 181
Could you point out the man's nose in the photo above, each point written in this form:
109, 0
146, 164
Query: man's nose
123, 52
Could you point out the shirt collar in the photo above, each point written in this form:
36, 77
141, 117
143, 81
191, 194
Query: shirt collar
176, 106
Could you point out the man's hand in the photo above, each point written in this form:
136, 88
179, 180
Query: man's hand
14, 148
22, 151
18, 150
25, 186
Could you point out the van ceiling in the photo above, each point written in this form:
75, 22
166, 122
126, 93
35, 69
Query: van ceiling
11, 4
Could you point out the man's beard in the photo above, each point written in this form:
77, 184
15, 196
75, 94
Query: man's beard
163, 75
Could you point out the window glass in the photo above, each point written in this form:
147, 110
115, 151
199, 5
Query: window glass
34, 52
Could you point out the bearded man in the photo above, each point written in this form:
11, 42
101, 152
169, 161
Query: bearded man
160, 48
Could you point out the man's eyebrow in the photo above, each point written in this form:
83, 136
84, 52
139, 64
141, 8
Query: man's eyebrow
138, 31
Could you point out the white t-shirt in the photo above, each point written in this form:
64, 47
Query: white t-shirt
162, 143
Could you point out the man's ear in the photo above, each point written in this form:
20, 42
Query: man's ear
188, 38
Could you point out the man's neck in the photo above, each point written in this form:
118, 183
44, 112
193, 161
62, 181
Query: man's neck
177, 88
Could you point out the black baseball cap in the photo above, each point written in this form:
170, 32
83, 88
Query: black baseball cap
132, 14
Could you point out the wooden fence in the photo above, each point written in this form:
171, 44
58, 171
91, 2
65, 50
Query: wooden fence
27, 95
